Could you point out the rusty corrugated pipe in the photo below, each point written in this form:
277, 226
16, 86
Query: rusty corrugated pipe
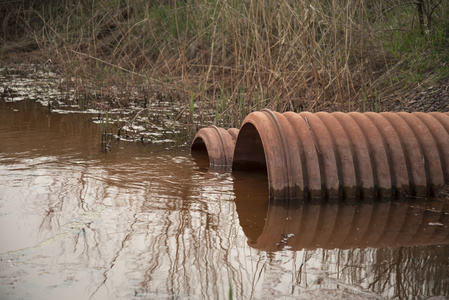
335, 155
218, 143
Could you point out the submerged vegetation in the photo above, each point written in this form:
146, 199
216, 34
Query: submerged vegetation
221, 60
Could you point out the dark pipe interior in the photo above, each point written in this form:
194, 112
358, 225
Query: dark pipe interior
198, 145
200, 154
249, 153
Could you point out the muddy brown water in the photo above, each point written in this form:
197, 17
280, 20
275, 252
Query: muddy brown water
150, 222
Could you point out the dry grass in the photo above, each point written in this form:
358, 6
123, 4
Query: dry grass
222, 59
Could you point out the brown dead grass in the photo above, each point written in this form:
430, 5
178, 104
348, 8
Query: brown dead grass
228, 57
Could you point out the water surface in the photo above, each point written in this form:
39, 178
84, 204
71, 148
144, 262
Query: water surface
146, 221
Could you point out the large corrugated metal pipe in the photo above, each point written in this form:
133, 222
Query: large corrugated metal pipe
340, 155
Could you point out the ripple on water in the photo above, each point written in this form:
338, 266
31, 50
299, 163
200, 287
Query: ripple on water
140, 221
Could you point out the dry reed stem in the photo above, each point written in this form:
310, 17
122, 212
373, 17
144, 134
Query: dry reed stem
287, 55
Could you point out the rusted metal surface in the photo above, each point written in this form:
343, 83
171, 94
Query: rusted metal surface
336, 155
218, 144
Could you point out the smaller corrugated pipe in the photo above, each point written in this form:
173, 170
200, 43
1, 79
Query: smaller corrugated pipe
218, 144
337, 155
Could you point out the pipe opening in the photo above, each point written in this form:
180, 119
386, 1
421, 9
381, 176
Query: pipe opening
199, 153
249, 154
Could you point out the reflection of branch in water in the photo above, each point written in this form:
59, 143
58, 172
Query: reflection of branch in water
52, 218
154, 242
83, 234
115, 257
399, 293
257, 275
62, 191
192, 246
83, 183
421, 271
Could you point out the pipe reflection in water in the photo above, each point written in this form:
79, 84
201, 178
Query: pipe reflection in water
274, 225
386, 247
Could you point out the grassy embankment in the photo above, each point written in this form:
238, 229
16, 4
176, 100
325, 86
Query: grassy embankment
224, 59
